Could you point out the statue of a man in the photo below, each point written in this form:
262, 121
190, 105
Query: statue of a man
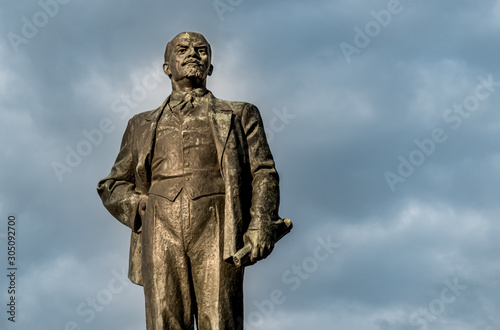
195, 181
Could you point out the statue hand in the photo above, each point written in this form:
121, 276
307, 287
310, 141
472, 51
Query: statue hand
262, 244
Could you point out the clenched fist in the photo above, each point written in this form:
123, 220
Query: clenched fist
261, 242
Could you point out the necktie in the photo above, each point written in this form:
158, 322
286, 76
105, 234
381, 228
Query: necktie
186, 104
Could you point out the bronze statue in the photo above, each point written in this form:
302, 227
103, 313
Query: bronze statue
196, 182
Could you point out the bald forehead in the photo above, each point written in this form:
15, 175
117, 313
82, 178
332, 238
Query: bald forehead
186, 38
190, 37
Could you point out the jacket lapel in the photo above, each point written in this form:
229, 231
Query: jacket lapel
145, 135
220, 115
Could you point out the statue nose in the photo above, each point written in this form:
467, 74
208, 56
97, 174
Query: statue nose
191, 52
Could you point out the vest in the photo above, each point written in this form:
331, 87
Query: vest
185, 156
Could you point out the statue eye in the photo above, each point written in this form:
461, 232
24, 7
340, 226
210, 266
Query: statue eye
202, 51
181, 50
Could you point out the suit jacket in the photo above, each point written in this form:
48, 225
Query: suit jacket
246, 164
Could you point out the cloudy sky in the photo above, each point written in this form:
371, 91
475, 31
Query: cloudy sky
382, 116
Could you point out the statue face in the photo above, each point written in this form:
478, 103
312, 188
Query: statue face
189, 58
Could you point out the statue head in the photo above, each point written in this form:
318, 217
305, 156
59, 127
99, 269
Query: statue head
188, 59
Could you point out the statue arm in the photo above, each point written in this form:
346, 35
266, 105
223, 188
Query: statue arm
117, 190
265, 185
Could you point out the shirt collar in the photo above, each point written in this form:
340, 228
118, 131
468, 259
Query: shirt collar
177, 97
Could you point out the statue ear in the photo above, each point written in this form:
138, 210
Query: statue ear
166, 69
210, 70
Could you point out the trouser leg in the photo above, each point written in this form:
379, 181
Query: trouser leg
166, 270
218, 285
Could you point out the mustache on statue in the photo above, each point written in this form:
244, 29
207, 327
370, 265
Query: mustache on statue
191, 62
